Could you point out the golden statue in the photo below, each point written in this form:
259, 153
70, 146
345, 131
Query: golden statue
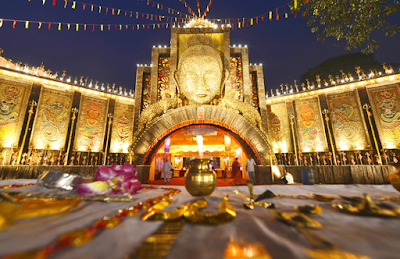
200, 76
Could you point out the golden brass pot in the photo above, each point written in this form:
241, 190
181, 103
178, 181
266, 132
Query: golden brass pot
200, 180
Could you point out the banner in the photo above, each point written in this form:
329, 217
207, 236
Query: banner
349, 129
52, 119
254, 89
200, 131
146, 97
14, 101
91, 125
164, 71
386, 110
310, 127
236, 76
122, 128
279, 128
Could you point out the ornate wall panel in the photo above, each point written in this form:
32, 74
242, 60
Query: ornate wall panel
164, 71
254, 90
386, 109
90, 128
310, 127
14, 101
279, 128
122, 128
52, 118
236, 76
347, 120
146, 101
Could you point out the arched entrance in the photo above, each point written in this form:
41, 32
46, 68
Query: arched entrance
253, 140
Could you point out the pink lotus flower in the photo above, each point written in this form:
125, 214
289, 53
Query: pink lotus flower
112, 180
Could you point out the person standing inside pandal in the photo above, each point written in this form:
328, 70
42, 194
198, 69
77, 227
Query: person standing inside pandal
167, 168
250, 163
237, 177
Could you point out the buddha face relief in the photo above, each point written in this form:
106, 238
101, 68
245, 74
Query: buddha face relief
200, 75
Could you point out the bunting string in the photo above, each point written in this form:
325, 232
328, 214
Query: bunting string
162, 7
198, 8
188, 8
238, 23
226, 23
89, 27
207, 9
118, 12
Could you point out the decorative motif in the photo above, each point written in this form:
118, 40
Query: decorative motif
91, 124
52, 118
122, 128
386, 110
278, 128
347, 122
154, 111
236, 76
309, 124
254, 90
146, 101
164, 72
245, 109
13, 104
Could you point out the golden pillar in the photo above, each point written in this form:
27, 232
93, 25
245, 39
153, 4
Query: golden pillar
326, 112
32, 103
291, 116
74, 112
366, 107
108, 137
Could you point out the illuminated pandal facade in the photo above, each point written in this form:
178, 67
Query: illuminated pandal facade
348, 130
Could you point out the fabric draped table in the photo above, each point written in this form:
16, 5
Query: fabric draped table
371, 236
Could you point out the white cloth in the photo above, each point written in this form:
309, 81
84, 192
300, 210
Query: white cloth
250, 163
375, 237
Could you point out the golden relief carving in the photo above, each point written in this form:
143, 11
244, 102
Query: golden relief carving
155, 110
245, 109
200, 76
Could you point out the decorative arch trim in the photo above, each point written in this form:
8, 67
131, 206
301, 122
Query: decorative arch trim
251, 138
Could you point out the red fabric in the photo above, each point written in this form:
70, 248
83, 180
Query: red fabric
236, 173
54, 2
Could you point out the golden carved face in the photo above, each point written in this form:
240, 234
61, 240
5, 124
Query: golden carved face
200, 74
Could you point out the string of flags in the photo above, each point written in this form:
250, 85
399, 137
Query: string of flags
88, 27
117, 11
188, 7
168, 21
207, 9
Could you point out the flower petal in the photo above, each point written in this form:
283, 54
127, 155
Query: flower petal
94, 188
103, 173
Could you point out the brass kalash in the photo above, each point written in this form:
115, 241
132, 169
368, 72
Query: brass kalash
200, 180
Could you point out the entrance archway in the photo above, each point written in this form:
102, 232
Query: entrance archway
253, 140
